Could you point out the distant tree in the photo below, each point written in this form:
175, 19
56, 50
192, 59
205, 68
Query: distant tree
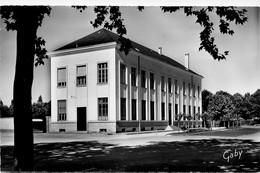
206, 119
205, 99
39, 99
255, 102
221, 106
4, 110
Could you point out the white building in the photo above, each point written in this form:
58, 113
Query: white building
97, 88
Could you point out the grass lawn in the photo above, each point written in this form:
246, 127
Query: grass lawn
188, 155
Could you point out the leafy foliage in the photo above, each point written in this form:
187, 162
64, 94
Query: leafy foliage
205, 100
41, 109
224, 106
110, 17
225, 14
13, 18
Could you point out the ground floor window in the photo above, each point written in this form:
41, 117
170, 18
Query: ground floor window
176, 111
123, 108
184, 112
133, 109
62, 110
103, 109
152, 110
143, 110
163, 111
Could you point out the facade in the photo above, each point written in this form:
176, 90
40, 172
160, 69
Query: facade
97, 88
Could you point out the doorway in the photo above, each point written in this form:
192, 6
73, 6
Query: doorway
81, 119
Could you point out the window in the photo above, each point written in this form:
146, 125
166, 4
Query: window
184, 111
189, 109
184, 89
163, 111
133, 76
162, 83
152, 110
189, 89
122, 74
199, 113
194, 94
152, 81
133, 109
170, 113
62, 111
198, 91
143, 79
143, 110
169, 85
194, 111
102, 108
61, 77
123, 108
176, 87
102, 73
81, 75
176, 111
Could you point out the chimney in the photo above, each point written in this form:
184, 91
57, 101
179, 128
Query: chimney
187, 61
160, 50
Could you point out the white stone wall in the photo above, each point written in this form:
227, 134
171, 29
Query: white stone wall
87, 96
82, 96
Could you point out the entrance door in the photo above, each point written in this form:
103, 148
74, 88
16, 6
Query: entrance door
170, 114
81, 119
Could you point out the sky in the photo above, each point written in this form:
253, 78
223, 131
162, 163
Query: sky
175, 33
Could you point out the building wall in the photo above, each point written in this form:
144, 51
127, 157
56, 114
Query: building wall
114, 90
149, 65
82, 96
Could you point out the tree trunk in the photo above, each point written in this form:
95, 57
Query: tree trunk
23, 132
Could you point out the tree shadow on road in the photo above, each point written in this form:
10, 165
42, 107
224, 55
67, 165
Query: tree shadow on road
189, 155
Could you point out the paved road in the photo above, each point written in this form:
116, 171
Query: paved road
125, 139
142, 152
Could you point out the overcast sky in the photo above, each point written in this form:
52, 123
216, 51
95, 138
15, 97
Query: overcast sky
175, 33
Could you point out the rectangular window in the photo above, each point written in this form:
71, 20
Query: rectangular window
176, 111
170, 113
143, 110
162, 83
122, 74
103, 109
133, 76
189, 109
184, 89
189, 89
176, 87
102, 73
61, 77
81, 75
123, 108
194, 111
152, 81
143, 79
133, 109
199, 113
169, 85
184, 111
62, 110
194, 94
163, 111
198, 91
152, 110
